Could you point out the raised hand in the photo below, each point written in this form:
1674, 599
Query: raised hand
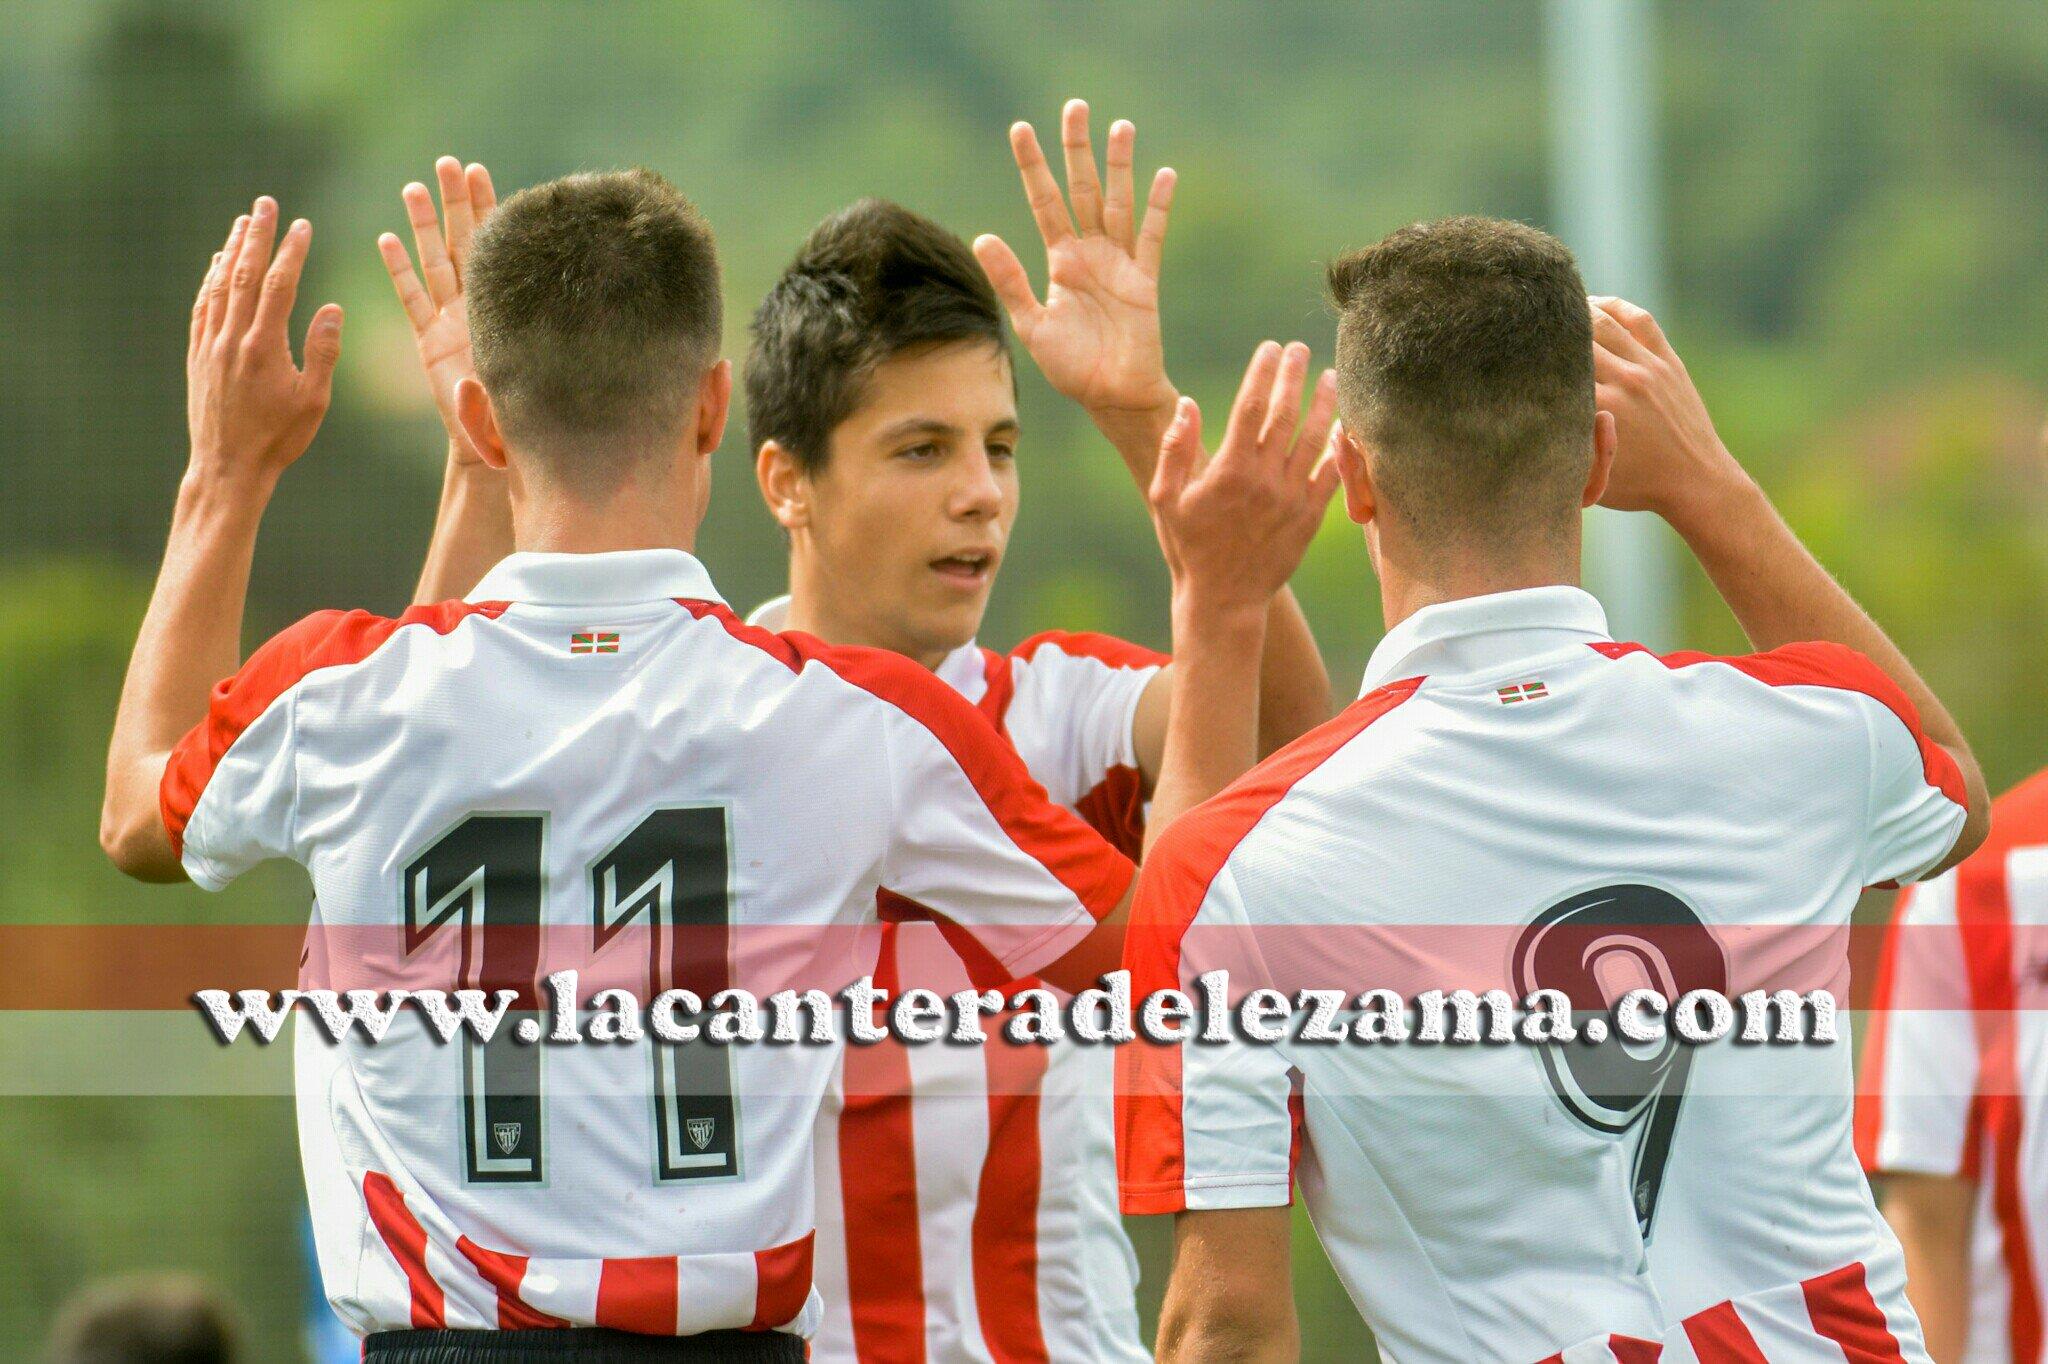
1667, 452
437, 311
1096, 335
1234, 528
252, 411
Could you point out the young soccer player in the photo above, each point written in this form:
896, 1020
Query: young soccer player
1517, 801
1955, 1084
967, 1199
466, 777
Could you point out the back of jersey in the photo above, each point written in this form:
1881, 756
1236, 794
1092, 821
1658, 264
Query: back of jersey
596, 768
1533, 807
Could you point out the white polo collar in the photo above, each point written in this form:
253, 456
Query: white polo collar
624, 577
1474, 634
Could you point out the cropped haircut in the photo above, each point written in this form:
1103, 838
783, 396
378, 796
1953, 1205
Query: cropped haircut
1465, 361
870, 282
594, 311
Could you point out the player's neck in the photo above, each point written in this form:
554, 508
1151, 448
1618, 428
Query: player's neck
550, 519
1410, 581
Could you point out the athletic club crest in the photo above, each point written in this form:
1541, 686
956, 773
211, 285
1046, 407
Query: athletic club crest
700, 1131
507, 1135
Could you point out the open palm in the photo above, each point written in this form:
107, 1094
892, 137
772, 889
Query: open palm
1096, 335
437, 310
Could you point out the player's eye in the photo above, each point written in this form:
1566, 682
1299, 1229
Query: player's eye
1001, 451
922, 453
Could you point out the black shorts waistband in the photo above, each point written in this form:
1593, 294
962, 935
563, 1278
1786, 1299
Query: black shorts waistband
580, 1345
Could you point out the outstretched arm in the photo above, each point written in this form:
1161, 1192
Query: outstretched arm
251, 412
1669, 460
1096, 337
473, 529
1233, 530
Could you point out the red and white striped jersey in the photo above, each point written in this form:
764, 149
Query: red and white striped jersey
594, 764
1519, 803
1955, 1068
967, 1203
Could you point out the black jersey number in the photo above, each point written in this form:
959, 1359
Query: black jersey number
487, 873
1653, 938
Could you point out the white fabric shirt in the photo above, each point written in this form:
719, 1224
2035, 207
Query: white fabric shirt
967, 1206
1518, 802
1956, 1063
593, 763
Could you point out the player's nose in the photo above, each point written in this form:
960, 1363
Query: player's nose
979, 493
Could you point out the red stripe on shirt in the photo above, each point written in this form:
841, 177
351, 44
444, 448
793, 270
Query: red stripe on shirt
505, 1273
1718, 1336
1634, 1350
998, 687
782, 1282
1006, 1205
878, 1189
1115, 808
1984, 918
1096, 874
327, 639
1108, 649
406, 1239
1819, 663
1150, 1142
1868, 1126
639, 1294
1843, 1311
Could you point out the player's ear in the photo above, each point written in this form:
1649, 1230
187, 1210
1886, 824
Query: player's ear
1604, 441
479, 421
1360, 502
714, 402
784, 486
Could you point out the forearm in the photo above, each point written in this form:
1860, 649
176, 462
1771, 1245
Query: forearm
1136, 432
1931, 1215
472, 531
1212, 728
1294, 686
1780, 594
1200, 1335
191, 637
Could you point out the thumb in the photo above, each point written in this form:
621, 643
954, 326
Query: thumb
1006, 276
1180, 453
323, 352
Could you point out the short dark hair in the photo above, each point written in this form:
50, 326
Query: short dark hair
871, 281
145, 1319
1465, 360
594, 309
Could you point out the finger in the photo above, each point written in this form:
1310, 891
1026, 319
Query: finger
281, 284
412, 295
432, 248
1248, 412
217, 292
1152, 236
323, 352
1006, 275
1118, 209
199, 305
1638, 321
1048, 209
1609, 335
245, 280
1283, 407
1316, 430
1180, 453
1083, 187
1322, 486
483, 197
456, 211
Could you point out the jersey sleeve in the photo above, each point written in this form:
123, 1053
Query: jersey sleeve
1201, 1125
1073, 703
1918, 804
230, 788
977, 843
1915, 1111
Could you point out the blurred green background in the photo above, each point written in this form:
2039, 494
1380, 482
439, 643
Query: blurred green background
1852, 196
